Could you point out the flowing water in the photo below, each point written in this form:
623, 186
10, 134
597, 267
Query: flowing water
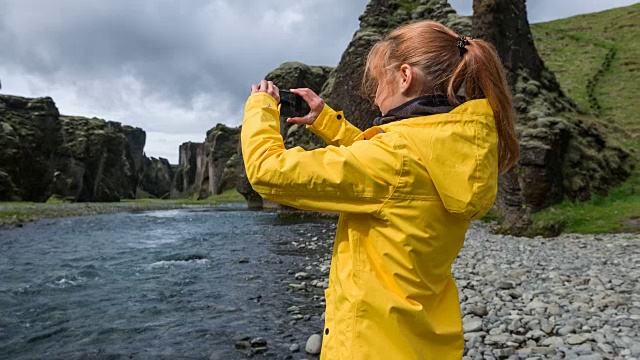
178, 284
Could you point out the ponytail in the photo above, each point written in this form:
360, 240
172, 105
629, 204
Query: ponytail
446, 62
483, 76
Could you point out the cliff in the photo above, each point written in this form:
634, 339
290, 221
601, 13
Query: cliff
99, 160
343, 88
30, 135
43, 153
565, 152
211, 167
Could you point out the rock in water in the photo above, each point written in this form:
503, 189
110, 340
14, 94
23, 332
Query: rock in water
314, 344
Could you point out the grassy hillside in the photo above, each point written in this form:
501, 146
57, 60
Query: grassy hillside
601, 49
596, 58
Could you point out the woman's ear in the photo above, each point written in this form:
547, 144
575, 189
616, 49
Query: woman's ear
406, 78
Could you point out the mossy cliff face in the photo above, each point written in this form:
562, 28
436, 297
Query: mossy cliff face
219, 168
343, 88
29, 137
157, 177
185, 176
564, 152
211, 167
76, 158
99, 160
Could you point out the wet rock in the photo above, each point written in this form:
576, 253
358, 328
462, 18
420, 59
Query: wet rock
505, 285
577, 339
471, 324
243, 344
258, 342
479, 310
314, 344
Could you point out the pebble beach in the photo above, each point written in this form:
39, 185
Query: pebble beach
568, 297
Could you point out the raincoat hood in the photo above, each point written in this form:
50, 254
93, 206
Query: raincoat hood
459, 150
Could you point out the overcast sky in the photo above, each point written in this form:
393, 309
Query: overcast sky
176, 68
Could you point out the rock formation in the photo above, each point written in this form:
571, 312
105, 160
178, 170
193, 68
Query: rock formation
185, 177
219, 161
564, 152
99, 160
208, 168
30, 134
379, 18
157, 177
76, 158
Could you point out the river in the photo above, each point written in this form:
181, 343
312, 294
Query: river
177, 284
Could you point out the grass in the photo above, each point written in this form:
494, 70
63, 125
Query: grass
576, 50
617, 212
12, 213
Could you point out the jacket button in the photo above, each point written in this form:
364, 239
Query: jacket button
339, 116
326, 331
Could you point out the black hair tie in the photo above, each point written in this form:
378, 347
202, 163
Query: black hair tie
462, 42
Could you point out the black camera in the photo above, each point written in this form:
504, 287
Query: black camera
292, 105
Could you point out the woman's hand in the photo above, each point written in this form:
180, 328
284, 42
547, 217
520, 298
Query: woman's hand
268, 87
316, 104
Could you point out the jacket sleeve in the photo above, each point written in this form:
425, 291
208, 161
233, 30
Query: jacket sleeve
332, 127
358, 178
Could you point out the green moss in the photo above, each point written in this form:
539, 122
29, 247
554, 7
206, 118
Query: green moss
614, 213
408, 5
576, 49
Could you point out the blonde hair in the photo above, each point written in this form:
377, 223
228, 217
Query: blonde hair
430, 48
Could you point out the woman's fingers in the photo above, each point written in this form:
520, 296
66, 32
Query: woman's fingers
315, 102
306, 120
273, 90
268, 87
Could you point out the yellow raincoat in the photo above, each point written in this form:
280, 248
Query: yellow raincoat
406, 192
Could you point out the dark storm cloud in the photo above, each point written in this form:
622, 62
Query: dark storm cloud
176, 68
175, 50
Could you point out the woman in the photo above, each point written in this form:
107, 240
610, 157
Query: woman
406, 188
